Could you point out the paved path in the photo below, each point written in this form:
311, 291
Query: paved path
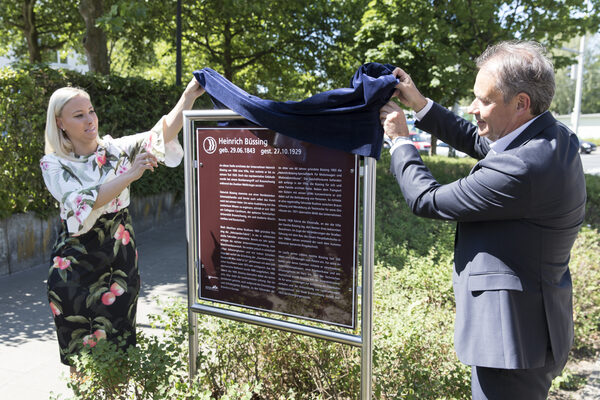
30, 367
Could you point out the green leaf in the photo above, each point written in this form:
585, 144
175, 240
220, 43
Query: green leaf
68, 172
54, 295
63, 274
116, 247
101, 237
79, 319
121, 283
79, 333
92, 298
119, 272
80, 249
103, 277
73, 345
113, 228
104, 323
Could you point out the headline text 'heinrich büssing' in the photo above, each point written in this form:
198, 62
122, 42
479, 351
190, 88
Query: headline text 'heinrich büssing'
244, 141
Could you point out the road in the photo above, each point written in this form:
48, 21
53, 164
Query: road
591, 163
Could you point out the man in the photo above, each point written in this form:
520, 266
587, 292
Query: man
518, 213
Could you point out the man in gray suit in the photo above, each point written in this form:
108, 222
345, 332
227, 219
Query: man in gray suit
518, 214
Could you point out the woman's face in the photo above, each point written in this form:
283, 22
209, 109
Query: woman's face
80, 122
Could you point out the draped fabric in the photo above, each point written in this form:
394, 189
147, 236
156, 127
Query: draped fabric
346, 119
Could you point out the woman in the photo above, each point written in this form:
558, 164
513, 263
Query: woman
93, 284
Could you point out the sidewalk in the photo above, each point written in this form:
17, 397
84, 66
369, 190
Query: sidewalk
30, 367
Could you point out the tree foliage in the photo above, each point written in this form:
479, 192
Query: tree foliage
291, 49
31, 28
564, 98
437, 41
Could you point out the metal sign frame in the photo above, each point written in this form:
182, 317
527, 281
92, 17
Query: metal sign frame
363, 341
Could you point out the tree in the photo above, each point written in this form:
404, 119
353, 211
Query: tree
141, 37
94, 40
32, 28
436, 42
283, 48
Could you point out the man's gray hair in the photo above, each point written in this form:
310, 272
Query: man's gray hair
521, 67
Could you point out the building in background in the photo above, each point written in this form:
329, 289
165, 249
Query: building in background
70, 60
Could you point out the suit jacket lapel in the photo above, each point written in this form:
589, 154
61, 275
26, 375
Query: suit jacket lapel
545, 120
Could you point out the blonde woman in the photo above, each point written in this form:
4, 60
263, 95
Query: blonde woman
93, 283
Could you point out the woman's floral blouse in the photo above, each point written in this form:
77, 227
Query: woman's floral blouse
75, 183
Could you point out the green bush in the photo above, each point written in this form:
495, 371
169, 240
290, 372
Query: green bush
155, 369
592, 209
124, 106
413, 354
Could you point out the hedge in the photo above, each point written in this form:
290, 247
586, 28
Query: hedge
124, 106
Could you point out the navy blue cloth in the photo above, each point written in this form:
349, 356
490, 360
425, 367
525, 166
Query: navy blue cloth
346, 119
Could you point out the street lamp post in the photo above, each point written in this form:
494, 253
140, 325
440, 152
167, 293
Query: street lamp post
578, 84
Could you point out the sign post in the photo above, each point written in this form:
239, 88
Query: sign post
272, 226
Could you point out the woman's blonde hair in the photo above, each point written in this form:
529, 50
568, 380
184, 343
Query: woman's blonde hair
56, 140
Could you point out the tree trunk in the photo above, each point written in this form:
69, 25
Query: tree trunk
94, 40
30, 31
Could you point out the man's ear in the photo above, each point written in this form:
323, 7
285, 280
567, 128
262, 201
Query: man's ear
523, 102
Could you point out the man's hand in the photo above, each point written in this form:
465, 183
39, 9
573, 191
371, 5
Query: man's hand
393, 120
407, 92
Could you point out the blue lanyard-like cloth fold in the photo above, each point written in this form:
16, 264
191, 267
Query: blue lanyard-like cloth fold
346, 119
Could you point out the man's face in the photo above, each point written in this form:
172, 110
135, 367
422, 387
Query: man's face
495, 118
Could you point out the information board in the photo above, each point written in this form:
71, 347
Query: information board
277, 224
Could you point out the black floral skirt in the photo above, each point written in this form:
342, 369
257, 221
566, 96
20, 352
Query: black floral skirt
93, 285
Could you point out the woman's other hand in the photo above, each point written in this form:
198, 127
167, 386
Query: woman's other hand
142, 163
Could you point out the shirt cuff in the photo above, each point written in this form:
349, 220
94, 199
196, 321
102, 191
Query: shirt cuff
170, 153
421, 114
399, 141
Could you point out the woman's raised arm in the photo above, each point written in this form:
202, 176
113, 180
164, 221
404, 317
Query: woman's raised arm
173, 122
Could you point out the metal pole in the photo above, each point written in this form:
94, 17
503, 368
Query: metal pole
366, 361
190, 222
578, 84
178, 46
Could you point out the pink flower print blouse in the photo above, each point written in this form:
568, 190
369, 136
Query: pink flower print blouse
74, 183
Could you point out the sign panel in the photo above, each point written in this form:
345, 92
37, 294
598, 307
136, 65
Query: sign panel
277, 224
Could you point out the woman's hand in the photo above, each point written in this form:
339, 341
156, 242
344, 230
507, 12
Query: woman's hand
193, 90
142, 163
110, 190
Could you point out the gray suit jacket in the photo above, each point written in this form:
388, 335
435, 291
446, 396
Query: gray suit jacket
518, 215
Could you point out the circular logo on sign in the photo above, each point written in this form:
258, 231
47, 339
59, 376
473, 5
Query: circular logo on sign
210, 145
